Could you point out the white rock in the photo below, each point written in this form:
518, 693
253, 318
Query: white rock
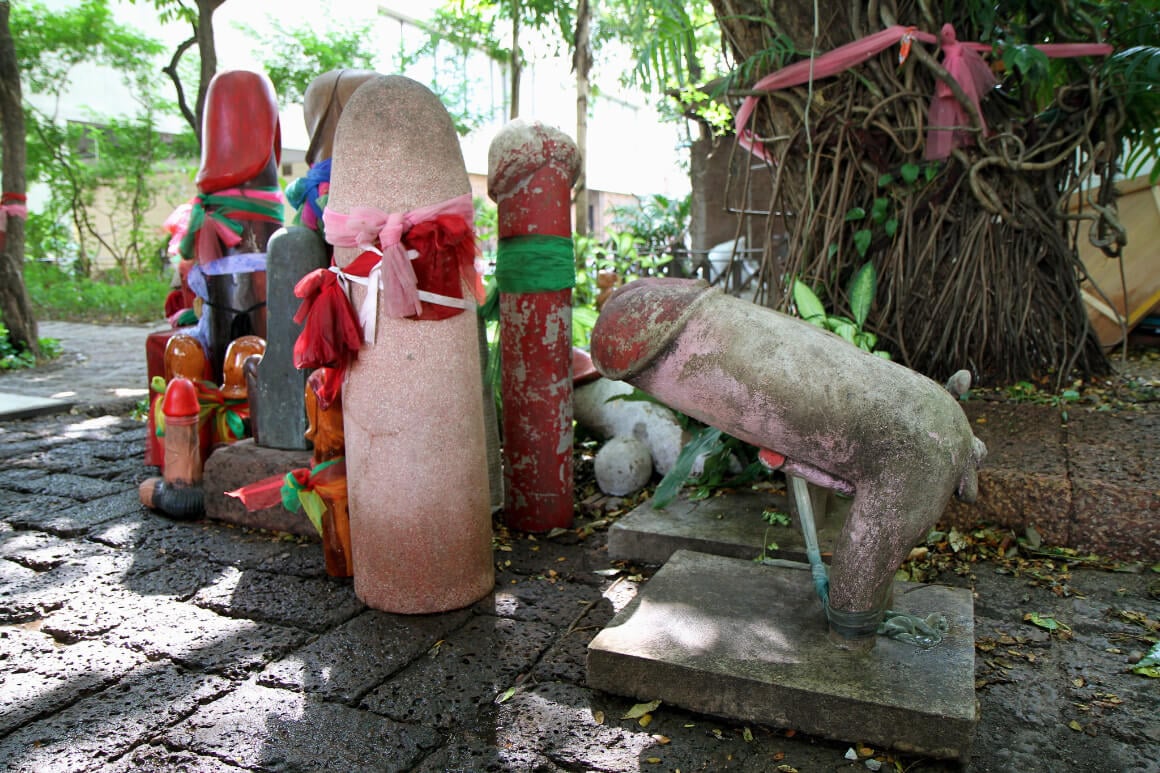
623, 466
652, 423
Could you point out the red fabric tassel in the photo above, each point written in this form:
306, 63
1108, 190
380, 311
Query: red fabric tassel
262, 494
330, 331
447, 249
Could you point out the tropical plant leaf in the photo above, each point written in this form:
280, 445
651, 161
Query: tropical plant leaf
670, 485
862, 240
862, 289
809, 307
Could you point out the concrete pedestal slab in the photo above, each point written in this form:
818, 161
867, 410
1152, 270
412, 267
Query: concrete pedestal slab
240, 464
13, 406
728, 525
747, 641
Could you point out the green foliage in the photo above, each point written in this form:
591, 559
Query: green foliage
882, 214
1135, 75
50, 43
1027, 392
294, 56
14, 357
659, 224
100, 173
725, 462
863, 286
57, 294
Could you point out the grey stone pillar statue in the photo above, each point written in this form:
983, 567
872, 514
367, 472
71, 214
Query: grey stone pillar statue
277, 404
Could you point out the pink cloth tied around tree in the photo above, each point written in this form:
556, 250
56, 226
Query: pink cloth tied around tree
11, 210
947, 119
393, 272
962, 61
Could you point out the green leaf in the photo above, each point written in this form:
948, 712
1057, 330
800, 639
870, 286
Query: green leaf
845, 330
1046, 623
775, 517
885, 179
676, 477
809, 307
855, 213
583, 320
640, 709
890, 226
880, 209
910, 172
831, 250
505, 695
862, 241
862, 289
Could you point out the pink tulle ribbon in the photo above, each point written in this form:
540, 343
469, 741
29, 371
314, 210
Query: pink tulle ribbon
962, 61
366, 227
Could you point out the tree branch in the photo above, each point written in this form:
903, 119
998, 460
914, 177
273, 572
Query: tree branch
171, 70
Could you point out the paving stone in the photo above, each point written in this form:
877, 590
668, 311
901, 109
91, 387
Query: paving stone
33, 594
724, 526
177, 577
733, 638
1096, 702
345, 663
156, 758
221, 543
471, 752
268, 729
37, 550
1016, 738
531, 556
22, 479
471, 668
313, 604
69, 519
61, 484
567, 659
199, 639
17, 446
99, 728
41, 676
550, 600
16, 507
89, 612
559, 720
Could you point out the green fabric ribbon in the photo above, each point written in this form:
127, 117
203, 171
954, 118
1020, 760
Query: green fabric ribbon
295, 495
220, 206
530, 264
535, 264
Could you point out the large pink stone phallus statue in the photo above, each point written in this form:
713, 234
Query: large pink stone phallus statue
399, 215
831, 414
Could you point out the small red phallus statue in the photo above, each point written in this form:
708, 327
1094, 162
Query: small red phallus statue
179, 493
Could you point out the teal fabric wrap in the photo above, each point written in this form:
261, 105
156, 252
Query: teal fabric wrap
535, 264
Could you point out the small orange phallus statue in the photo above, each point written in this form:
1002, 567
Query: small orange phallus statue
231, 423
326, 477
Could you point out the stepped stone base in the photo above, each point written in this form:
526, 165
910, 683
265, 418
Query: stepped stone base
233, 466
747, 641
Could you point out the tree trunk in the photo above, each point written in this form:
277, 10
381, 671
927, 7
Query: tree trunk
15, 305
517, 63
976, 268
582, 63
208, 50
